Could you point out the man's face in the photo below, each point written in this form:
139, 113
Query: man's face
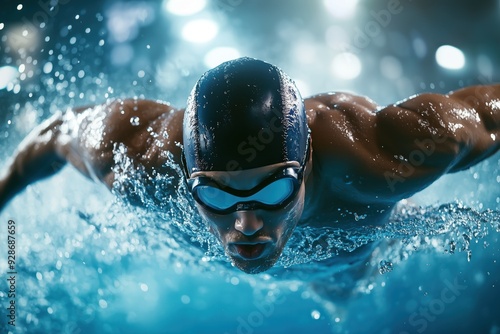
253, 239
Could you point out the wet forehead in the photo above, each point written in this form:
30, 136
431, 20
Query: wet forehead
245, 179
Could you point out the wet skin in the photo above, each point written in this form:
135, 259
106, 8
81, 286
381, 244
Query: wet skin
363, 161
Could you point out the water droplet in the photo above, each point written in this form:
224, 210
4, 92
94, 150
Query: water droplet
359, 217
103, 303
315, 314
135, 121
185, 299
47, 68
452, 246
385, 267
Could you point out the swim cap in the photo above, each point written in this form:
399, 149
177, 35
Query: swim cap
243, 114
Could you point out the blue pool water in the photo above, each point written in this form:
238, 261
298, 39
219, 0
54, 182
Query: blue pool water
88, 263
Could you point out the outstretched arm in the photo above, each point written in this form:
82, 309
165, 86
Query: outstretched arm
86, 137
35, 158
387, 154
439, 134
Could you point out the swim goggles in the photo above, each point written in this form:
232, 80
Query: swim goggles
273, 193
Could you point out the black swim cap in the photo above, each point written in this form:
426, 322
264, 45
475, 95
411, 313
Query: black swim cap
243, 114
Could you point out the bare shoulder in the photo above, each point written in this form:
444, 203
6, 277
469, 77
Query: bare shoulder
143, 124
146, 128
341, 124
339, 120
337, 100
345, 152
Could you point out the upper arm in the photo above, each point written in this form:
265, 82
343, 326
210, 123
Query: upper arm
87, 138
391, 153
453, 132
147, 130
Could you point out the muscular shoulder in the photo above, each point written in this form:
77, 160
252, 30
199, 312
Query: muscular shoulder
146, 128
340, 123
365, 151
339, 101
346, 153
134, 121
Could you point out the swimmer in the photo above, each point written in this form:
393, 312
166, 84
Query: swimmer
259, 160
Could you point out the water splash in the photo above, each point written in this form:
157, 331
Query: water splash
385, 267
445, 228
82, 257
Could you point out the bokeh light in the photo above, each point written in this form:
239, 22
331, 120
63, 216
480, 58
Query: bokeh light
200, 31
219, 55
341, 9
7, 75
346, 66
450, 57
184, 7
391, 67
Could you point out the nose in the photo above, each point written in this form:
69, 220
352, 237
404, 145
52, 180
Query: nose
247, 222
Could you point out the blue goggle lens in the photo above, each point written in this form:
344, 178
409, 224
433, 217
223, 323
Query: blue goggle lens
272, 195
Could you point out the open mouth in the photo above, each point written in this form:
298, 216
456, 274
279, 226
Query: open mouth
249, 251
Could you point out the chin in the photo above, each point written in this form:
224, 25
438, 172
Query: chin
256, 266
249, 267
